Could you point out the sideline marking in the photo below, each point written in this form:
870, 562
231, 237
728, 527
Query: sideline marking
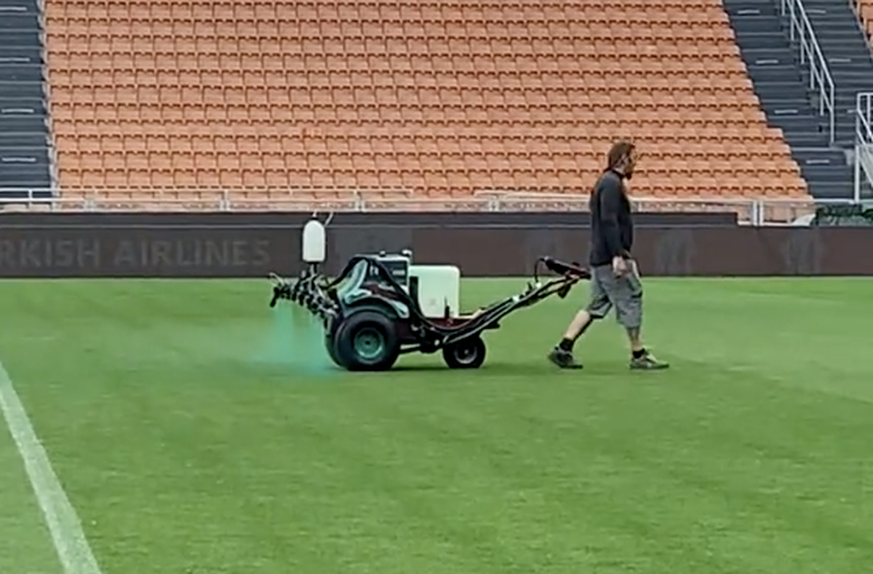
66, 529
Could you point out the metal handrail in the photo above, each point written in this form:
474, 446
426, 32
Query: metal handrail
801, 29
863, 159
753, 211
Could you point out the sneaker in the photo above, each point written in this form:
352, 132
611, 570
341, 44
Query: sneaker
563, 359
648, 362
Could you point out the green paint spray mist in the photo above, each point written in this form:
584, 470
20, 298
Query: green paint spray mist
296, 342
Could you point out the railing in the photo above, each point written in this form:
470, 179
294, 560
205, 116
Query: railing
863, 144
801, 31
757, 212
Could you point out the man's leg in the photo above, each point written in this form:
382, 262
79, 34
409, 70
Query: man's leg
627, 295
577, 328
598, 307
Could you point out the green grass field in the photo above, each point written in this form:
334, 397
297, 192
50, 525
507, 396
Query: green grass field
195, 432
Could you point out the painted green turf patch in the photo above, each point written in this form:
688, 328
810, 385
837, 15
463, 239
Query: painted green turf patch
189, 443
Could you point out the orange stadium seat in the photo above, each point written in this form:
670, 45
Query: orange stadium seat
865, 13
439, 98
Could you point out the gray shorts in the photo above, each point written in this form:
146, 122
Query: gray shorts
624, 293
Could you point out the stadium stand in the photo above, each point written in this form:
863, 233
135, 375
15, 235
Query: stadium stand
24, 133
440, 98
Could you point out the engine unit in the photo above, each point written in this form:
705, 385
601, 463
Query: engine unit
436, 288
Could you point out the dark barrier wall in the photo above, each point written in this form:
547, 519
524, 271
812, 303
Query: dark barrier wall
465, 219
251, 246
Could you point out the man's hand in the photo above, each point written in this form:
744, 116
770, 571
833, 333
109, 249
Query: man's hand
619, 265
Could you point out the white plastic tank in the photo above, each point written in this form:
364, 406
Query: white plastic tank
314, 242
439, 289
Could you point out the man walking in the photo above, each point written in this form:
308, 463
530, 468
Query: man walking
615, 278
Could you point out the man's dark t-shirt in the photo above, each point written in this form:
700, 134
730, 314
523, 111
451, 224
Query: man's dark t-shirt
612, 230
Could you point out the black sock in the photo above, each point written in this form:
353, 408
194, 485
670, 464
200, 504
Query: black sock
566, 344
639, 354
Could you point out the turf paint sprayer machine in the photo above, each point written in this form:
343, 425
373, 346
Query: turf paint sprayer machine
381, 306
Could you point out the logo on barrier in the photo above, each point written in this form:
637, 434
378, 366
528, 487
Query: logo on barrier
105, 253
803, 252
674, 252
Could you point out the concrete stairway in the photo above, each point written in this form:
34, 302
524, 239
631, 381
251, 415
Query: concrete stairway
24, 128
784, 93
847, 50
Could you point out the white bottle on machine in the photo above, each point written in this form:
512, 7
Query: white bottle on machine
314, 243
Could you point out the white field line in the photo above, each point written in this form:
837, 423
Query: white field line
64, 525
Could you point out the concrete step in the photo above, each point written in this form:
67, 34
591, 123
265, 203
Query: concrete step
799, 123
805, 139
21, 55
13, 20
22, 124
15, 141
17, 107
28, 5
760, 40
858, 72
21, 73
831, 28
755, 24
783, 54
24, 159
823, 172
820, 156
749, 7
779, 90
775, 73
786, 105
37, 176
822, 9
41, 153
14, 38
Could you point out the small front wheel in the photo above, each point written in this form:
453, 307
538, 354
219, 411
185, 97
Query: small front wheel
465, 354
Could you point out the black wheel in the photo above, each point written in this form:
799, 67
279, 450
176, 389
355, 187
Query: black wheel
330, 342
366, 341
465, 354
330, 345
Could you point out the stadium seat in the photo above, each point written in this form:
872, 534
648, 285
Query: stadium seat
865, 13
440, 99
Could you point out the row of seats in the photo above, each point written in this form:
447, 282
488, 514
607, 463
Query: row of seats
425, 163
590, 11
567, 83
436, 53
378, 142
750, 138
160, 51
687, 61
510, 75
257, 93
378, 30
508, 89
627, 100
433, 183
381, 114
745, 145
